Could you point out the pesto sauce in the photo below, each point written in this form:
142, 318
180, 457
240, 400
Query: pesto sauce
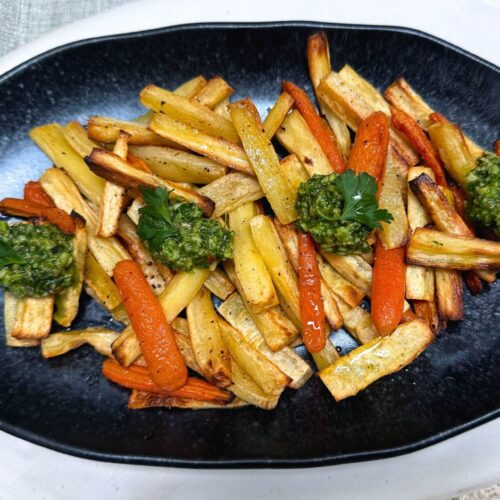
183, 239
320, 205
47, 255
483, 187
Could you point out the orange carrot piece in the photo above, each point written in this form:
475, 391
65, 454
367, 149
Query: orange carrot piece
318, 127
369, 151
417, 138
23, 208
137, 162
136, 377
166, 365
497, 147
388, 288
312, 311
34, 193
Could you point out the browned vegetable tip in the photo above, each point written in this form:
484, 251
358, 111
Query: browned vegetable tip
449, 295
427, 310
32, 318
437, 206
474, 283
114, 169
432, 248
139, 400
107, 130
213, 92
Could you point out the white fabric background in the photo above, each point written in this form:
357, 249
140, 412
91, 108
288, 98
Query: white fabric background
25, 20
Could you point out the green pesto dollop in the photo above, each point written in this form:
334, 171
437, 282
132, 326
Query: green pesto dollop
483, 187
340, 211
177, 234
45, 264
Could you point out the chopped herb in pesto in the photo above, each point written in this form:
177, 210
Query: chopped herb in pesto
39, 262
483, 187
177, 234
340, 211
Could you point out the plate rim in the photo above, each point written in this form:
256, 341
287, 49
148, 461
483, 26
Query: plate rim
247, 24
139, 459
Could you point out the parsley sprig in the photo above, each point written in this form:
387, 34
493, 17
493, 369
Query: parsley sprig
8, 255
157, 224
360, 202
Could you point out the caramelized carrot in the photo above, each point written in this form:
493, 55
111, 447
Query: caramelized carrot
23, 208
137, 162
165, 363
497, 147
34, 193
318, 127
136, 377
417, 138
370, 146
388, 288
312, 311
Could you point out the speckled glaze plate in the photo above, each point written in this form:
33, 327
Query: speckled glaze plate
65, 404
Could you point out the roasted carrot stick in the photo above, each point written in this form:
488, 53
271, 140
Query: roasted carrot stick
34, 193
166, 365
370, 146
318, 127
312, 311
497, 147
388, 288
136, 377
23, 208
417, 138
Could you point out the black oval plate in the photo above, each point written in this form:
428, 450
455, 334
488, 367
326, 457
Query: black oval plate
66, 405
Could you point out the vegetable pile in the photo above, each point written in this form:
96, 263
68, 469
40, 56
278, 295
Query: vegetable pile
219, 258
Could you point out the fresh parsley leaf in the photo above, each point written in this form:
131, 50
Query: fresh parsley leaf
156, 203
156, 223
8, 255
360, 202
